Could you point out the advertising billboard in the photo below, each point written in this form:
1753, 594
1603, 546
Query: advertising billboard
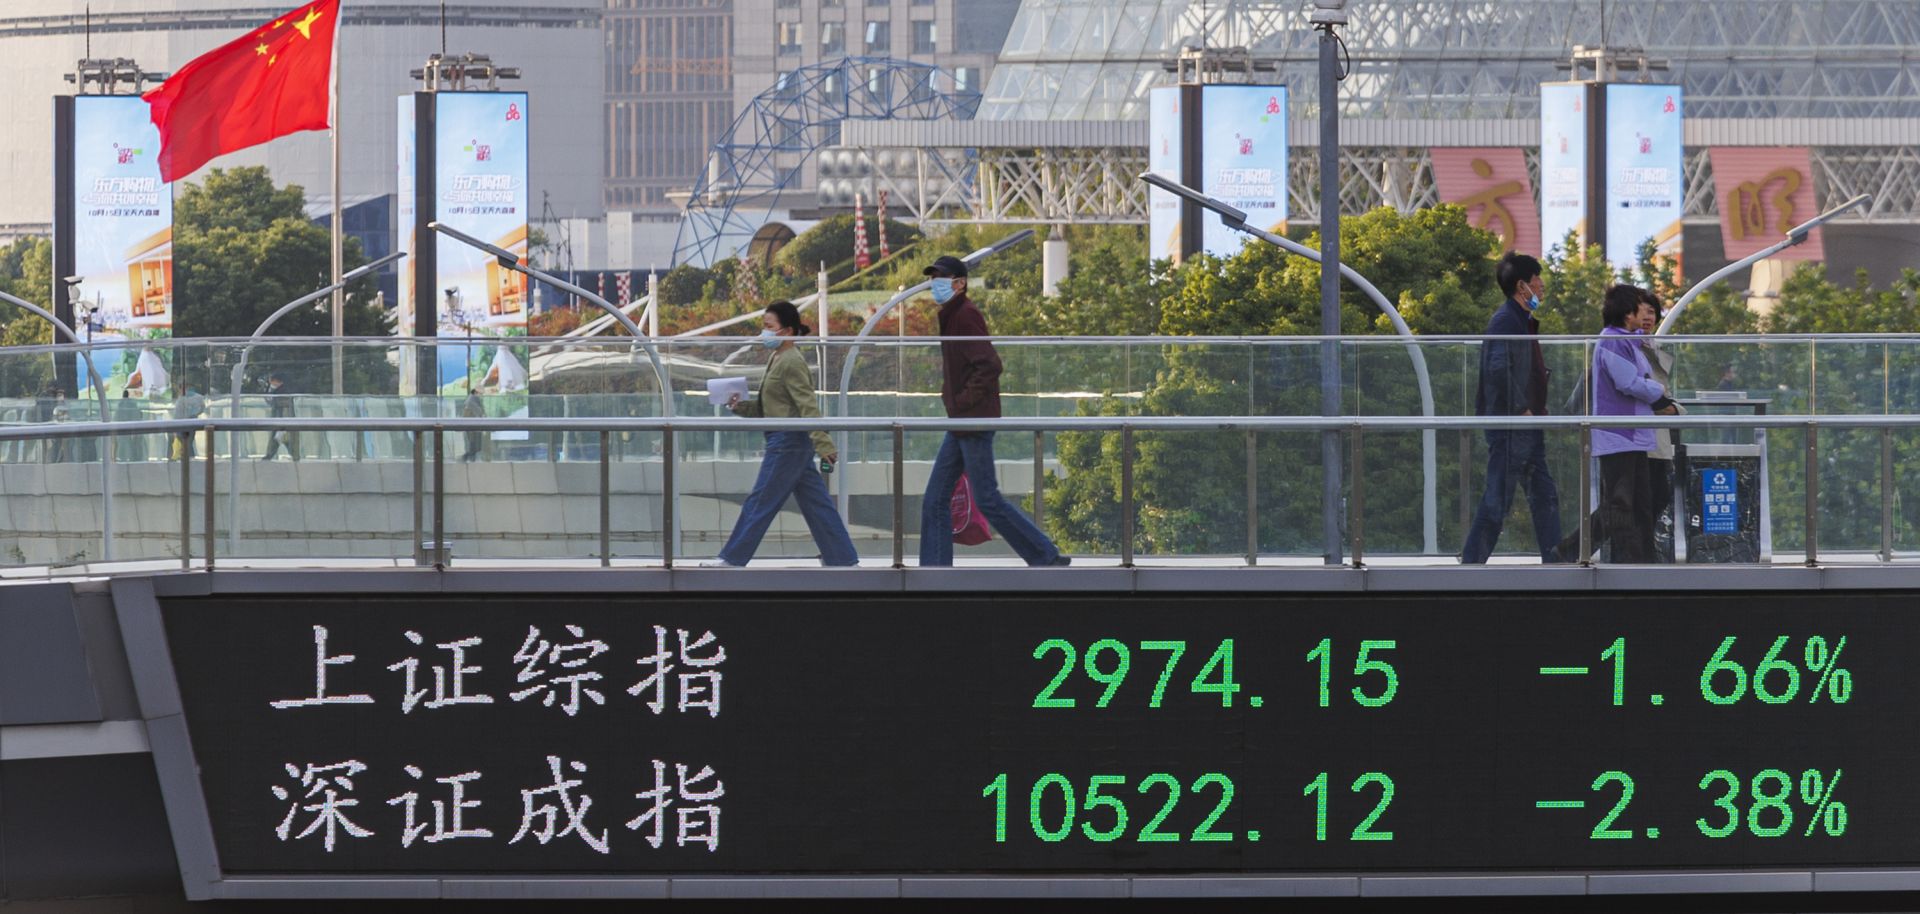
1244, 160
1645, 176
1492, 185
1563, 164
1163, 159
475, 182
121, 231
1764, 192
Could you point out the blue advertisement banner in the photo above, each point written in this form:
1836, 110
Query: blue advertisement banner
1244, 160
1563, 164
1163, 159
123, 238
1645, 174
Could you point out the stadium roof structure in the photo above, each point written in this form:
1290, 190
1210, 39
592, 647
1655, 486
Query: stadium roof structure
1474, 59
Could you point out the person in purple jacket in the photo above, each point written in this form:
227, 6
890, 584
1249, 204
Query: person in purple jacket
1623, 385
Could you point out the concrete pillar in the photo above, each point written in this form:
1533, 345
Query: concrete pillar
1053, 263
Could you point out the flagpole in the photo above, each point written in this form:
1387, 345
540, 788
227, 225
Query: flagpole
339, 294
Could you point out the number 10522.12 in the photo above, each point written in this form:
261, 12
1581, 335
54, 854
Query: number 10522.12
1105, 809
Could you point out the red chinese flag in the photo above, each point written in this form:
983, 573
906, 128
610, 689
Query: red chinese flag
275, 80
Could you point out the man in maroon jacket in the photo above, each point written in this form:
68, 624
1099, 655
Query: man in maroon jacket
970, 388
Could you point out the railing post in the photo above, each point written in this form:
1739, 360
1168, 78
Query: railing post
1357, 501
419, 494
606, 499
207, 496
186, 499
666, 496
1886, 494
1586, 493
1253, 499
1126, 496
439, 497
900, 497
1813, 494
1040, 479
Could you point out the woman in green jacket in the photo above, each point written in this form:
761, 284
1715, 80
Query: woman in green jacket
786, 392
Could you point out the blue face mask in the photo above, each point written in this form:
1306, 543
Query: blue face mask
1533, 302
770, 339
942, 290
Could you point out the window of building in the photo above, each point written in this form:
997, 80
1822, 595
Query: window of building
966, 80
922, 2
833, 4
879, 37
833, 38
788, 4
879, 2
788, 38
925, 36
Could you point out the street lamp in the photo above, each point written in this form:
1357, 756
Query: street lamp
1327, 16
1234, 218
511, 261
1796, 235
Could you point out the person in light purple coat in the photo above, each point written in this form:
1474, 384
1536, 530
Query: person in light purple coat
1623, 385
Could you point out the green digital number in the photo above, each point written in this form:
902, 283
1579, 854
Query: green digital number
1316, 788
1151, 831
1045, 699
1109, 678
1362, 666
1222, 660
1364, 831
1205, 832
1725, 802
1096, 800
998, 791
1323, 652
1772, 663
1720, 664
1605, 830
1775, 801
1052, 835
1174, 651
1618, 654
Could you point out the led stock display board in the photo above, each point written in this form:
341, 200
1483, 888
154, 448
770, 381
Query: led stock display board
1225, 733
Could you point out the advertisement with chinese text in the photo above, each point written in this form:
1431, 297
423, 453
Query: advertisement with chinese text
1244, 160
1645, 176
1163, 159
480, 188
1563, 164
123, 238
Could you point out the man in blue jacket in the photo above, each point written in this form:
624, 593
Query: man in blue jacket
1513, 382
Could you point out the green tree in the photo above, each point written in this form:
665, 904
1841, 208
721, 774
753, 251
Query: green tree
26, 270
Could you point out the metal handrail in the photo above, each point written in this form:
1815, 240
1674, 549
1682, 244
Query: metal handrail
1005, 424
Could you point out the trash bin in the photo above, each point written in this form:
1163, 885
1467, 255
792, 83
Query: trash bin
1723, 482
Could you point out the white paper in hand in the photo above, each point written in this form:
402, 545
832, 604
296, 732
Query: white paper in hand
719, 390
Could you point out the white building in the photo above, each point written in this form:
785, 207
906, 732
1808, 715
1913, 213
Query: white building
557, 44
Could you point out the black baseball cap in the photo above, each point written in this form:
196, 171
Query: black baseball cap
947, 266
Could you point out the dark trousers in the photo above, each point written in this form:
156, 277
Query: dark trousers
1515, 458
1626, 506
1660, 498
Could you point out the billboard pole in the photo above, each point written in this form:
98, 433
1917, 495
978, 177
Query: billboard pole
1327, 15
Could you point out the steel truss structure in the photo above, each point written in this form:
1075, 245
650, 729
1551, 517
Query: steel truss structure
761, 156
1067, 186
1453, 59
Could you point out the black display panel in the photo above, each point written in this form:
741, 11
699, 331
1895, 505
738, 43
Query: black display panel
1060, 733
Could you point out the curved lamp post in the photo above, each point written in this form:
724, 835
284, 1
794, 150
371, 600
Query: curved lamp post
240, 371
1796, 235
99, 391
853, 354
1234, 218
511, 261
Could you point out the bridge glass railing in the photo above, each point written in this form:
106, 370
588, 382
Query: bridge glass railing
1193, 490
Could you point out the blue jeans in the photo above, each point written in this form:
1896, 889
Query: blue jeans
973, 455
788, 469
1515, 457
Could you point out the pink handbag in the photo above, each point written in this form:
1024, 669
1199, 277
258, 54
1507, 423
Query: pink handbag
969, 526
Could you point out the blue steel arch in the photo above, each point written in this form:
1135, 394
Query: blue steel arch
761, 155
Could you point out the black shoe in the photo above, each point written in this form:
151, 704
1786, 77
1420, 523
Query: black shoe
1061, 561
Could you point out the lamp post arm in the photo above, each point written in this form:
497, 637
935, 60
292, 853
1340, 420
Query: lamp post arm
1795, 235
99, 385
511, 261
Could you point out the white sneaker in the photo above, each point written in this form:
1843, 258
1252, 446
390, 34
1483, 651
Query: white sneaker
718, 563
